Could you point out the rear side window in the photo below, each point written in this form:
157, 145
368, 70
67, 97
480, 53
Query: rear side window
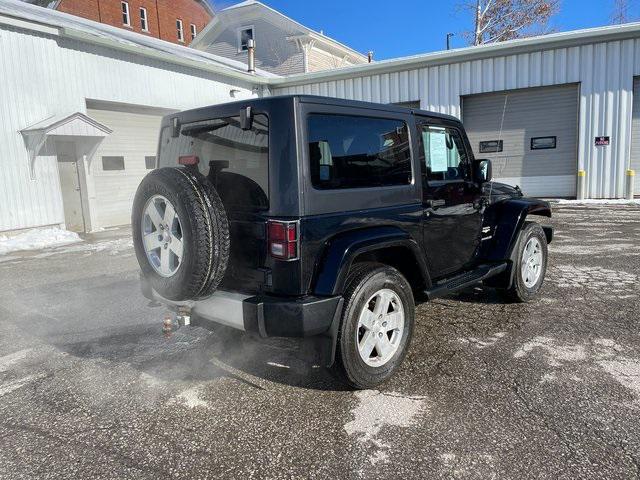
236, 161
357, 152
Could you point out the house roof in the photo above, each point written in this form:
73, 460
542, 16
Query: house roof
247, 5
93, 32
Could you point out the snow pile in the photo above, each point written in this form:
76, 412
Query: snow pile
36, 239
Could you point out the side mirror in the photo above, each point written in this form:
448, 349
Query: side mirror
483, 171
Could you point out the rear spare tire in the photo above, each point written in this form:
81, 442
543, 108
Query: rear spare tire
180, 233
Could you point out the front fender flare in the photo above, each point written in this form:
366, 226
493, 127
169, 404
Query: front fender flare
343, 249
511, 216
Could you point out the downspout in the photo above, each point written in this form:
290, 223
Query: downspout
158, 20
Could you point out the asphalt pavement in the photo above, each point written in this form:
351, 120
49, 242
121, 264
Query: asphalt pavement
91, 388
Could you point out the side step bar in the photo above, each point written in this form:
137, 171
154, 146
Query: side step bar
464, 280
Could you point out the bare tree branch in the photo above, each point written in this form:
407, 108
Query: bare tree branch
620, 12
500, 20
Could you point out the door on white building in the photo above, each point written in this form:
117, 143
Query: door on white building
70, 185
122, 160
530, 135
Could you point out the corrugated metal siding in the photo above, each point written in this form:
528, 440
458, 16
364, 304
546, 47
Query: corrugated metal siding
605, 72
43, 76
529, 113
635, 135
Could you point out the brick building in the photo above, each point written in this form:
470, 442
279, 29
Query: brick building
177, 21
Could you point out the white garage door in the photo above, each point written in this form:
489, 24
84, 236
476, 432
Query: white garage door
535, 144
635, 134
121, 162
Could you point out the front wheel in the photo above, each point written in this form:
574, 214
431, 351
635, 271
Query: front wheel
377, 325
530, 265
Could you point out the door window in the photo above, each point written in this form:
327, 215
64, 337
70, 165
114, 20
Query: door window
444, 157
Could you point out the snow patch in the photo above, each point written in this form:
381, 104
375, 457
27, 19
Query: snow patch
487, 342
469, 465
612, 201
626, 371
37, 239
9, 387
376, 410
13, 358
594, 249
605, 352
191, 398
592, 278
555, 354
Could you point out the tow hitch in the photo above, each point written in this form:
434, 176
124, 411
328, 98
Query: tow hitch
174, 320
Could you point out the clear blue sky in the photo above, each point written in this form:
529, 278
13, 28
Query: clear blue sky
407, 27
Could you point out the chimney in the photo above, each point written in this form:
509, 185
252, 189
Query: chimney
251, 59
370, 56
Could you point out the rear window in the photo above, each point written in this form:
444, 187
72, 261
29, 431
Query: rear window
236, 161
357, 152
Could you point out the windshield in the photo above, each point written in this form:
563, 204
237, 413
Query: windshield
236, 161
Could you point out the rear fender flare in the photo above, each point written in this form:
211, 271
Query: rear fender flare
343, 249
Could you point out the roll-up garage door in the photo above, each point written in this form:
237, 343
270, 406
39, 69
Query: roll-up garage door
635, 134
530, 135
122, 160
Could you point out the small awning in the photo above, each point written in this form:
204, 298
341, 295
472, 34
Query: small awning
86, 132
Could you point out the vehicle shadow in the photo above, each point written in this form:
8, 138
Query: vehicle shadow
198, 354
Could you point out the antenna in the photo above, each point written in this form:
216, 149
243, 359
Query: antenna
504, 110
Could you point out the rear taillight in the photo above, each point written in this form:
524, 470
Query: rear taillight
283, 239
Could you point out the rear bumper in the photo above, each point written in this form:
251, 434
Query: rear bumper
266, 315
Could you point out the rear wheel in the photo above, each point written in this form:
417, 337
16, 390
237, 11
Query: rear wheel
377, 325
530, 265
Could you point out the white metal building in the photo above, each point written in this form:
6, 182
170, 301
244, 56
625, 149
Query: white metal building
80, 104
596, 66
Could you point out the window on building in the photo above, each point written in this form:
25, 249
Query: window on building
356, 152
112, 163
144, 23
126, 19
180, 30
150, 162
244, 35
194, 31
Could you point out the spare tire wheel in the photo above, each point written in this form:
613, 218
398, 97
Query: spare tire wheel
180, 233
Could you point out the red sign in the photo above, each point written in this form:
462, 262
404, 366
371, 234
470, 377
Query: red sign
603, 141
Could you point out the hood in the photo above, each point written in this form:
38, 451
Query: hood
501, 191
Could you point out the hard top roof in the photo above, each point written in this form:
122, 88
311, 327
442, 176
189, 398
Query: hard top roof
216, 110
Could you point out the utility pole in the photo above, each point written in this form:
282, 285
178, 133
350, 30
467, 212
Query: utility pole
449, 35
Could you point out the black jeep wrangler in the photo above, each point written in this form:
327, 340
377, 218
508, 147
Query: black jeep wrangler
302, 216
